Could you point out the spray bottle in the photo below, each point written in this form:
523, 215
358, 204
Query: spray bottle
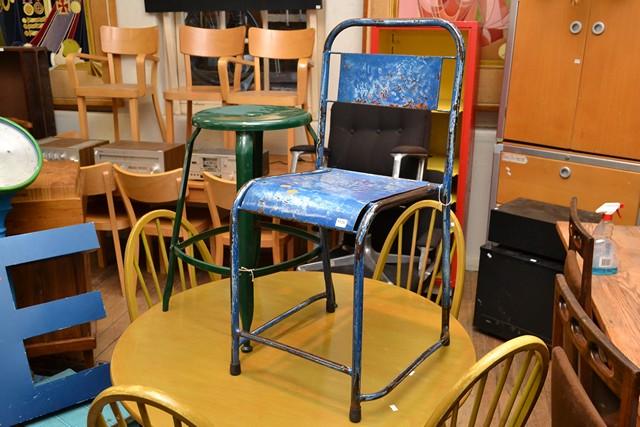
605, 261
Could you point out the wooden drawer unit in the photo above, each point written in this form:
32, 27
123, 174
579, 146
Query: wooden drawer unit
555, 176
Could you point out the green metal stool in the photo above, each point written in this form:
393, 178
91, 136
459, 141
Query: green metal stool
249, 122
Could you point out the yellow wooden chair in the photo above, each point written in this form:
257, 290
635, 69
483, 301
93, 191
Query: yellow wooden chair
147, 400
202, 42
139, 248
220, 196
420, 257
98, 180
272, 44
472, 401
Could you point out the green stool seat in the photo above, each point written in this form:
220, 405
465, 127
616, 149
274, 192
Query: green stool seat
251, 118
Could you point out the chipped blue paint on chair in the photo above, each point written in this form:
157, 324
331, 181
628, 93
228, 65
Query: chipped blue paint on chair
21, 399
348, 201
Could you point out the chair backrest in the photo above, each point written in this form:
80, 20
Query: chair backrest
97, 179
413, 250
514, 395
598, 357
210, 42
145, 398
139, 248
570, 404
580, 243
281, 44
129, 41
362, 137
158, 188
220, 195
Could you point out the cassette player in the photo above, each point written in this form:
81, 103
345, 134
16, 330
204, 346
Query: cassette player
220, 162
74, 149
142, 157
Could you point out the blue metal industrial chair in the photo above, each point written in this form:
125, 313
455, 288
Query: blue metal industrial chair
348, 201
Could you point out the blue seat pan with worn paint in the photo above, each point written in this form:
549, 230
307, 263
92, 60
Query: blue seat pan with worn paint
332, 198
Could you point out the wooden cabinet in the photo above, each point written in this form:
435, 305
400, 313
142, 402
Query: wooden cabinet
571, 86
555, 176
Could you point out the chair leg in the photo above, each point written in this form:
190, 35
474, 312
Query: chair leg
100, 252
276, 248
326, 269
188, 127
168, 110
116, 119
156, 108
133, 115
291, 141
82, 117
118, 251
229, 139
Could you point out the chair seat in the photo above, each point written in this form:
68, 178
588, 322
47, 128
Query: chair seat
102, 223
266, 239
284, 98
117, 90
194, 93
331, 198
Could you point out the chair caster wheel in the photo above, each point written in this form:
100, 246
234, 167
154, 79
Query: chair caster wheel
235, 369
246, 348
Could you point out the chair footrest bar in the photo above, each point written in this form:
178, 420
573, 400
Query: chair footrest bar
297, 352
365, 397
288, 313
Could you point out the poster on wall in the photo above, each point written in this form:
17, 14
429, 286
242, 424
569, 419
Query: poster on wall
493, 16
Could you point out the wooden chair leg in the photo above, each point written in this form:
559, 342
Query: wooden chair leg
290, 248
156, 108
116, 119
133, 115
219, 257
188, 128
229, 139
168, 110
82, 117
276, 248
118, 251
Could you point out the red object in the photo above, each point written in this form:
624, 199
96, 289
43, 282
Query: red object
467, 118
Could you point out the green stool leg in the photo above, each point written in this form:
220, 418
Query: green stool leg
248, 166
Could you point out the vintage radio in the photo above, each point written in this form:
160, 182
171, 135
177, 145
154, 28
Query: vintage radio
220, 162
142, 157
74, 149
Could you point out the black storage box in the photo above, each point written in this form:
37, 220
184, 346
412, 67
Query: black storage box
530, 226
515, 293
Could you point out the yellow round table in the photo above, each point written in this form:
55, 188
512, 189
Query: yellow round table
186, 352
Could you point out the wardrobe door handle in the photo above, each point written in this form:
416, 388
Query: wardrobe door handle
598, 28
575, 27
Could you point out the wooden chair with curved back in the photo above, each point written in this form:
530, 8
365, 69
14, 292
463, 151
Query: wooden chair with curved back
515, 393
117, 42
98, 180
417, 244
203, 42
272, 44
139, 248
156, 190
599, 363
220, 196
145, 399
580, 243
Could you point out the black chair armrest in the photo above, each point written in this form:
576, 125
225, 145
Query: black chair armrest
412, 150
306, 148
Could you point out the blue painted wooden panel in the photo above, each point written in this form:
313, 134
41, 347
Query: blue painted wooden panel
332, 198
20, 399
393, 80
